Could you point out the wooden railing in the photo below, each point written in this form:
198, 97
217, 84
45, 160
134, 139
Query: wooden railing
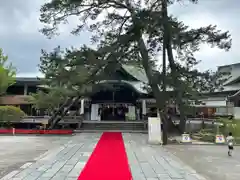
35, 119
45, 119
72, 119
14, 99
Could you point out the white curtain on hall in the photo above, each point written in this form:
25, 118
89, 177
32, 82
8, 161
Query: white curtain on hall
94, 112
144, 109
131, 113
82, 107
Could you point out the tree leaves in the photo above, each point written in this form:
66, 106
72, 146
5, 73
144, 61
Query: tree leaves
69, 73
7, 73
117, 27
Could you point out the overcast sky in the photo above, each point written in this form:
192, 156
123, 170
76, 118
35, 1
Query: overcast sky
22, 42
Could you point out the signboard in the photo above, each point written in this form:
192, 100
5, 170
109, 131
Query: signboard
154, 130
45, 121
186, 138
219, 139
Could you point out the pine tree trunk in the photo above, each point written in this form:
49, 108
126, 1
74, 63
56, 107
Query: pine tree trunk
60, 109
154, 86
164, 95
164, 73
168, 36
58, 118
182, 124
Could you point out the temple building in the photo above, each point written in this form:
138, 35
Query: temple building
124, 97
127, 98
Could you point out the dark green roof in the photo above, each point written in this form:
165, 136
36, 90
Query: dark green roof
136, 72
27, 80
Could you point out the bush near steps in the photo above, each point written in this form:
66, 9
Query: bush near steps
9, 114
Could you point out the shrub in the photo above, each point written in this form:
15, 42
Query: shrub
10, 113
230, 126
208, 138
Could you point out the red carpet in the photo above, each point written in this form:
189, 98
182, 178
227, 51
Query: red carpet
108, 161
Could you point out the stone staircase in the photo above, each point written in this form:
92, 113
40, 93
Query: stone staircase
111, 126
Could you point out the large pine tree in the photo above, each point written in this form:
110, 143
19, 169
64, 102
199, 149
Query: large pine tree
141, 29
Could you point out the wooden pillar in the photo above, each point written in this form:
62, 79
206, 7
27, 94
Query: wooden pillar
113, 96
25, 89
144, 107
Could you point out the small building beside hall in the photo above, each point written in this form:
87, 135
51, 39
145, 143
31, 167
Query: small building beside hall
17, 94
225, 101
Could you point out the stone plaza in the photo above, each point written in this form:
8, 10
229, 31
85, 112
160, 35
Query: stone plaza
65, 162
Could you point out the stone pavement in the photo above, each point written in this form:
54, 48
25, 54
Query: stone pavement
18, 150
211, 161
66, 162
152, 162
63, 163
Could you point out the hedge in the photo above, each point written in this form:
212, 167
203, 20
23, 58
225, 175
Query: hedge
10, 113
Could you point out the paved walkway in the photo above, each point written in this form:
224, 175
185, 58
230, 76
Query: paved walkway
18, 150
154, 162
210, 160
66, 162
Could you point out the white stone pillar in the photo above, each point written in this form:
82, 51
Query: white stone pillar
154, 130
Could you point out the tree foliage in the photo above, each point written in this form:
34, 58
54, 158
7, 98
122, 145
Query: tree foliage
7, 73
107, 20
70, 73
47, 100
10, 113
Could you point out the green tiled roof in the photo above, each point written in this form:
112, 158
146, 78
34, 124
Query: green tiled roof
140, 75
27, 79
137, 85
137, 72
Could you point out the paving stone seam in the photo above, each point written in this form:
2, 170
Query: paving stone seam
131, 144
66, 161
134, 153
84, 163
53, 154
190, 170
49, 152
174, 157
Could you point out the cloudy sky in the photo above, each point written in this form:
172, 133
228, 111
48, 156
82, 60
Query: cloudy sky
22, 42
